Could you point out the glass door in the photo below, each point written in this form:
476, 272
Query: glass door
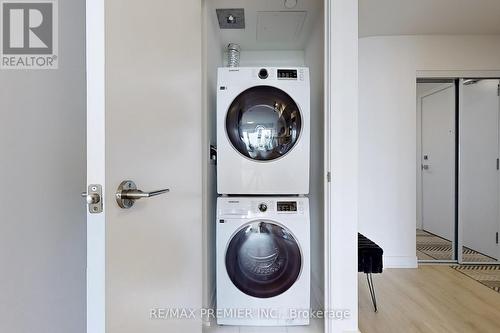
436, 176
479, 171
263, 259
263, 123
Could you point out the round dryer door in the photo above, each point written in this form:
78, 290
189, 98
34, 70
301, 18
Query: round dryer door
263, 259
263, 123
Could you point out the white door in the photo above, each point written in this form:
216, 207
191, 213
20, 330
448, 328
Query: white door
438, 162
479, 147
144, 124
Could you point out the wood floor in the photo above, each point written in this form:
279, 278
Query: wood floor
428, 299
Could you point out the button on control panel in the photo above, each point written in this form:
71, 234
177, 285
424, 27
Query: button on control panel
263, 207
263, 73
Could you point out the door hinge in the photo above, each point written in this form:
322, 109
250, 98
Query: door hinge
497, 237
329, 177
498, 163
498, 90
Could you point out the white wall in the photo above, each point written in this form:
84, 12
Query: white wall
387, 127
314, 59
42, 168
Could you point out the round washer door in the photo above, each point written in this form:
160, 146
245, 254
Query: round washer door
263, 259
263, 123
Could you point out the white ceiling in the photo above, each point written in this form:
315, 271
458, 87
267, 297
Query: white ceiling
423, 17
269, 25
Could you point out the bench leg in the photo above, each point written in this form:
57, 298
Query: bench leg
371, 286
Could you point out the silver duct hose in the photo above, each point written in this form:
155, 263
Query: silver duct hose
233, 55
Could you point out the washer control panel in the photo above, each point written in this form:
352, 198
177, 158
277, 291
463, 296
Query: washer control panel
282, 74
261, 207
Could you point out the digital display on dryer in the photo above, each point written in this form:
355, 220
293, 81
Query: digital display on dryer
287, 74
287, 206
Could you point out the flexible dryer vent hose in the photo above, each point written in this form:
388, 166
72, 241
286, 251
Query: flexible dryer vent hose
233, 55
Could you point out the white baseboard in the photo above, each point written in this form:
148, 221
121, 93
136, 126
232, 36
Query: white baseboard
352, 331
400, 262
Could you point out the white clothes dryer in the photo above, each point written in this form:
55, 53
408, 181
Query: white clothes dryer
263, 130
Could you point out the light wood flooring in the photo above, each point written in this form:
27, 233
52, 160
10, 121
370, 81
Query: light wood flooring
430, 299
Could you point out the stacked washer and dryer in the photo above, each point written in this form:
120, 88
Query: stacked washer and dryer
263, 226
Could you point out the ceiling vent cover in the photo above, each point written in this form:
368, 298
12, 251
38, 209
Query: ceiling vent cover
231, 18
279, 26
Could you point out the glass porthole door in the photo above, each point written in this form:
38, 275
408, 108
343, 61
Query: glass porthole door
263, 123
263, 259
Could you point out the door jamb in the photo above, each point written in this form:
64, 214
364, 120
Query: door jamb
96, 232
341, 163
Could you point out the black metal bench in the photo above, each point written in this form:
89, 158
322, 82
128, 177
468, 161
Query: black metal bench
369, 262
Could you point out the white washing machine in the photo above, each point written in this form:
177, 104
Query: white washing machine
263, 130
263, 261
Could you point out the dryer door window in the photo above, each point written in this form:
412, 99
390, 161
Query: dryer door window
263, 123
263, 259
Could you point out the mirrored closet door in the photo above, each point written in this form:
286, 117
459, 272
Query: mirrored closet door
479, 200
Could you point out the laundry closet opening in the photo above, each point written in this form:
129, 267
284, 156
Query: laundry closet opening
280, 47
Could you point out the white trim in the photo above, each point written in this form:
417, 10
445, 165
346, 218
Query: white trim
327, 137
458, 74
400, 262
208, 297
96, 233
341, 159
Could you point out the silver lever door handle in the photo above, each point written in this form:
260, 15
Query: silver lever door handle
127, 193
138, 194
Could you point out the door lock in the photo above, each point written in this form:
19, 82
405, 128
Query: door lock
93, 196
127, 193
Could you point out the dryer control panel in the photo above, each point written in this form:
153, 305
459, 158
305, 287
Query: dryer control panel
287, 74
